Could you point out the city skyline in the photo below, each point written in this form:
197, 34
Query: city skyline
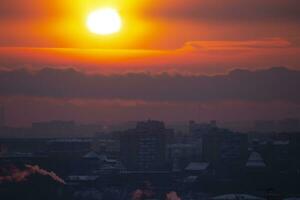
149, 99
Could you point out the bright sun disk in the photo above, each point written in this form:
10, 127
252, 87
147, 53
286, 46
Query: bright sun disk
104, 21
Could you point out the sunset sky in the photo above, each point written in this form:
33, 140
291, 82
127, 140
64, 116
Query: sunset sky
205, 36
189, 38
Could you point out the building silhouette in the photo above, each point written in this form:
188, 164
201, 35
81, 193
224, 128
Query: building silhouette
144, 147
225, 148
2, 116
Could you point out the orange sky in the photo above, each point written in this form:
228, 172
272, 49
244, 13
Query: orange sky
187, 37
206, 36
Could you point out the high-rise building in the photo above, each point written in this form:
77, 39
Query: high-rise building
225, 147
2, 116
198, 129
144, 147
288, 125
265, 125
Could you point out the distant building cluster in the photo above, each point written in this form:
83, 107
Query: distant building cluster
285, 125
202, 162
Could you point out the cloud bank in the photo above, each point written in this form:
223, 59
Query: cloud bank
279, 84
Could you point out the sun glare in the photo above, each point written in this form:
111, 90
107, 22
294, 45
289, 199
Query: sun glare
104, 21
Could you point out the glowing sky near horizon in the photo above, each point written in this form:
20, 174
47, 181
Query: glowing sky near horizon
191, 36
188, 37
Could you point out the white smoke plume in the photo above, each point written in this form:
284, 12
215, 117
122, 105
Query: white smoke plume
172, 196
19, 175
137, 194
38, 170
145, 192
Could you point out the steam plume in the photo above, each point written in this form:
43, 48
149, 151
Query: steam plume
172, 196
17, 175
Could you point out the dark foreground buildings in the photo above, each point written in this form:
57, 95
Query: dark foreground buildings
151, 160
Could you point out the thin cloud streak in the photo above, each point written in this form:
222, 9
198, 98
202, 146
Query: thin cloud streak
204, 57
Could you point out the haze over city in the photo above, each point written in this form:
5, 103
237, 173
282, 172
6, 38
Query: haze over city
149, 99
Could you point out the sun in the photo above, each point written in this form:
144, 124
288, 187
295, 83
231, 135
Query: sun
104, 21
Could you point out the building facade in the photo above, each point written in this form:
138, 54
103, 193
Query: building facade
144, 147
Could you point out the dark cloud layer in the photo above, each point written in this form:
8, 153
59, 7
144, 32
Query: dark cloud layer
228, 10
263, 85
28, 9
231, 10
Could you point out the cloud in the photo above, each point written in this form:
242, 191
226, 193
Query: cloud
237, 45
32, 23
22, 111
240, 85
230, 10
195, 56
31, 10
